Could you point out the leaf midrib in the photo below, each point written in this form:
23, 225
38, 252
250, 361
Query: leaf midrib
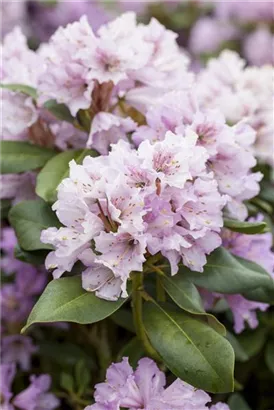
57, 311
190, 340
185, 295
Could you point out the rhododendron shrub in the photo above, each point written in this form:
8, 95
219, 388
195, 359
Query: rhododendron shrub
136, 246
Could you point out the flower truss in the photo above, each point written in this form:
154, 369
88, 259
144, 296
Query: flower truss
145, 388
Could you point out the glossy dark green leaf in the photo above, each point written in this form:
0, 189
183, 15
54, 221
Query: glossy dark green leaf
60, 111
245, 227
64, 300
187, 297
123, 317
260, 294
67, 382
21, 88
65, 354
28, 219
55, 170
82, 376
237, 402
226, 273
133, 350
240, 354
20, 156
253, 341
267, 192
269, 355
191, 349
34, 257
262, 205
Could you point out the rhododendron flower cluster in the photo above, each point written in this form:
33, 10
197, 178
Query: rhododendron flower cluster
22, 66
131, 204
242, 94
123, 56
145, 388
229, 148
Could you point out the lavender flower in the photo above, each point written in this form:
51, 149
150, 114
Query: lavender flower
45, 19
17, 299
208, 34
13, 13
34, 397
241, 94
17, 349
259, 47
145, 388
159, 198
229, 148
7, 372
123, 57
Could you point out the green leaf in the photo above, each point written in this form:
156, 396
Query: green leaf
60, 111
246, 227
226, 273
65, 355
55, 170
82, 376
237, 402
64, 300
34, 257
262, 205
191, 349
269, 355
253, 341
21, 88
123, 317
29, 218
240, 354
187, 297
20, 156
260, 294
133, 350
67, 382
267, 192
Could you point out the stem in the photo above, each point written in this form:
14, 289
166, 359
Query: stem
156, 269
137, 307
98, 338
161, 295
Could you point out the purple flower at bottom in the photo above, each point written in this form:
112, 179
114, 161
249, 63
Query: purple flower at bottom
144, 389
36, 396
17, 299
18, 349
7, 372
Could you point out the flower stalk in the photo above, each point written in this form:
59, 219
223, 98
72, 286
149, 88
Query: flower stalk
137, 308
